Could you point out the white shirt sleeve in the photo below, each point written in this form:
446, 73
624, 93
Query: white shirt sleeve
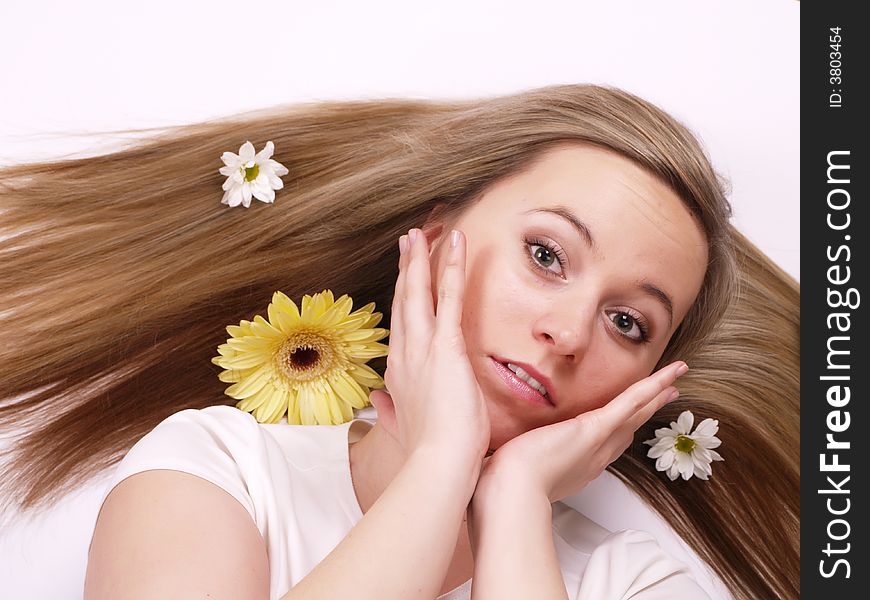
630, 564
220, 444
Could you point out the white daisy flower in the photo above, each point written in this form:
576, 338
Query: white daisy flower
680, 452
251, 175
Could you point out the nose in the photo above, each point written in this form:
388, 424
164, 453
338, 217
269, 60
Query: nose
567, 332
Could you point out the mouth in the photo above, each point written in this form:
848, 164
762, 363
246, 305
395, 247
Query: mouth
517, 381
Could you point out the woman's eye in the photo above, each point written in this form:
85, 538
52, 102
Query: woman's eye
631, 326
544, 255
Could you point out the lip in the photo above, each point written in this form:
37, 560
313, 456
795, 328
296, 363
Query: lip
520, 388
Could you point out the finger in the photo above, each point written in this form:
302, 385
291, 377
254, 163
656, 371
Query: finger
419, 313
397, 328
643, 415
451, 288
637, 396
621, 439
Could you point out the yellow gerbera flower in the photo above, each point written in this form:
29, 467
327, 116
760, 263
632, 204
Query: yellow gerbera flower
309, 366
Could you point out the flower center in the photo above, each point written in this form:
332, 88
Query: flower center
684, 443
252, 172
305, 357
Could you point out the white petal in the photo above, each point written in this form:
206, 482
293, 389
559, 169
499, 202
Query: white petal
667, 440
246, 194
264, 154
263, 192
664, 444
700, 473
230, 159
666, 460
699, 453
227, 171
685, 464
234, 179
707, 428
278, 168
658, 450
235, 197
665, 431
707, 442
684, 422
246, 152
673, 472
704, 467
715, 455
275, 182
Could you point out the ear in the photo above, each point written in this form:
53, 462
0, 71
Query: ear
434, 225
383, 403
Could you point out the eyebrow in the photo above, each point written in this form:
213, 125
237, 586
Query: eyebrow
576, 223
650, 289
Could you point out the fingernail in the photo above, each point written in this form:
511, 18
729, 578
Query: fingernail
413, 235
682, 369
403, 244
674, 395
454, 238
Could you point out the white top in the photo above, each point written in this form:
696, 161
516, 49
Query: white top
294, 481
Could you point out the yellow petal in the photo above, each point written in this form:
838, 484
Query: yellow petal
306, 406
338, 411
226, 350
280, 319
349, 390
292, 407
287, 306
243, 361
230, 376
251, 343
251, 383
336, 313
365, 375
261, 327
321, 407
318, 306
274, 412
365, 335
351, 323
367, 351
264, 396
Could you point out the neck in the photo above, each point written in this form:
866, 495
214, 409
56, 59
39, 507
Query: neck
374, 461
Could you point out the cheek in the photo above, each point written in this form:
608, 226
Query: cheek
606, 381
495, 301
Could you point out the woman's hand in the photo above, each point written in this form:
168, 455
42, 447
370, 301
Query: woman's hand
433, 399
560, 459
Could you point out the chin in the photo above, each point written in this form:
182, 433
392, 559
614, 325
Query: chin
505, 426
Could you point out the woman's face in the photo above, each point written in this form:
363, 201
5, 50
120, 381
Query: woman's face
631, 266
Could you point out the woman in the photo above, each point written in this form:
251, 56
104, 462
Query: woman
647, 271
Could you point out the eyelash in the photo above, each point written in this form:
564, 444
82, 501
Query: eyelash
642, 325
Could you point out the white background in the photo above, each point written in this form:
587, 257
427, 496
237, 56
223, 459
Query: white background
728, 69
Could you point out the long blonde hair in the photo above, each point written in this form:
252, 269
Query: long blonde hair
120, 273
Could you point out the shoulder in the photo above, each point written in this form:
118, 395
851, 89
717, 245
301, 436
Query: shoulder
221, 444
154, 521
631, 564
